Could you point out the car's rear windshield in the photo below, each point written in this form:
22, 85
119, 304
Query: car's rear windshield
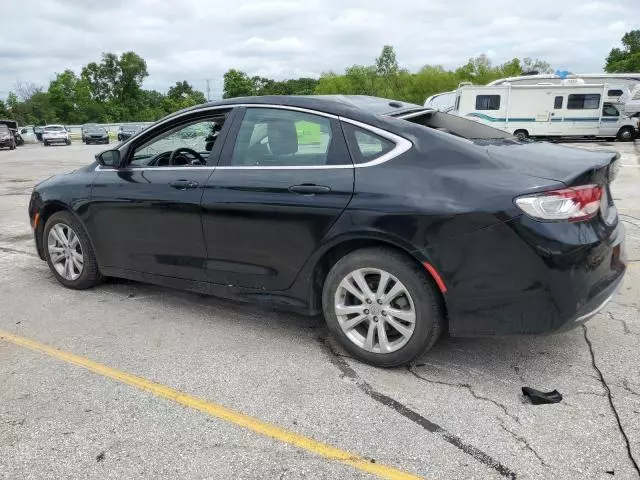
4, 128
54, 129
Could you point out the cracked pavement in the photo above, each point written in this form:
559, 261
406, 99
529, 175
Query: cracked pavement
456, 412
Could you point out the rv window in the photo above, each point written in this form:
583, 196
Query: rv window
614, 93
488, 102
610, 111
583, 101
558, 102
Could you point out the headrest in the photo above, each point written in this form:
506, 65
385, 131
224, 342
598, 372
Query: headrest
283, 138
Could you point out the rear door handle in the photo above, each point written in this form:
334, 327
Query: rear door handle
184, 184
309, 189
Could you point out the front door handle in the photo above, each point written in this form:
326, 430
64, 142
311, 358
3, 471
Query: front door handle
184, 184
309, 189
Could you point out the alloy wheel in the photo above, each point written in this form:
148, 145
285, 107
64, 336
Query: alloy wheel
375, 310
65, 251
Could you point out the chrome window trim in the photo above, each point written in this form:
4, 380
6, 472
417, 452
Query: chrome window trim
402, 144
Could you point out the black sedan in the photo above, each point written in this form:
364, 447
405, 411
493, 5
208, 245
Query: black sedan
95, 134
126, 131
398, 223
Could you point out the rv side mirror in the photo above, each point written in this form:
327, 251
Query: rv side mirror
109, 158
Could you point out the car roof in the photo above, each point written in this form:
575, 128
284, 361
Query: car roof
357, 107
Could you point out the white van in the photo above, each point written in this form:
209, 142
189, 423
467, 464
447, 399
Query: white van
579, 110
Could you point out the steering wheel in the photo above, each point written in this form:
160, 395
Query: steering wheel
190, 151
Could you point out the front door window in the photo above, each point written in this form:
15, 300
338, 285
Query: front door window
187, 144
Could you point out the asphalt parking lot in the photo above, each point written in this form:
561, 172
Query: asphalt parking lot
456, 413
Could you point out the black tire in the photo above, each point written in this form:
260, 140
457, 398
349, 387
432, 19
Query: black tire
68, 142
12, 146
45, 144
626, 134
521, 134
90, 275
429, 321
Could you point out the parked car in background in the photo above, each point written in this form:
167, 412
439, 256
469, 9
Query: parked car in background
126, 131
84, 129
397, 222
28, 134
96, 134
55, 134
7, 140
12, 126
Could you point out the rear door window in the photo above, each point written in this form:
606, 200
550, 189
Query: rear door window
279, 137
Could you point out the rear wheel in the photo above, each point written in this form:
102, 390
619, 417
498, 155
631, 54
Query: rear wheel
521, 134
69, 252
626, 134
45, 144
382, 307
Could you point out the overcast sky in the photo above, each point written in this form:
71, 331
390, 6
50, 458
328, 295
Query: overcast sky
200, 39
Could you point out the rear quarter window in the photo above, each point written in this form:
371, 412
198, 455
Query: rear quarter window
366, 146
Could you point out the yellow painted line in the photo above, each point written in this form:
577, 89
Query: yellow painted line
216, 410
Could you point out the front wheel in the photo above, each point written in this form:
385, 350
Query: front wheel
12, 146
69, 253
382, 307
626, 134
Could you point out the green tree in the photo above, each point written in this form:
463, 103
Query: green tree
184, 94
116, 82
386, 63
237, 84
63, 95
626, 59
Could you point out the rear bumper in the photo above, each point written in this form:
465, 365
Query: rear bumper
595, 306
527, 277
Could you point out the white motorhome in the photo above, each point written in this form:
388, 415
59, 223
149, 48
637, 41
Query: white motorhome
547, 110
627, 85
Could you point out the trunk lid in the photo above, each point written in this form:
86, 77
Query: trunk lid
571, 166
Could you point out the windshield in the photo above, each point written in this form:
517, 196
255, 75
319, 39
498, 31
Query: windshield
96, 130
54, 129
4, 128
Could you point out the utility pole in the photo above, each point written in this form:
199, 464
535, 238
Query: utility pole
208, 91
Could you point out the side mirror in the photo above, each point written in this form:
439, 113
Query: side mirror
109, 158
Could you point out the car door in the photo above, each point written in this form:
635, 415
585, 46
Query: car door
284, 178
145, 216
609, 121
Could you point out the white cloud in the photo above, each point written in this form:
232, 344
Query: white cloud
195, 40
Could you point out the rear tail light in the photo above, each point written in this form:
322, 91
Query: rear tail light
570, 204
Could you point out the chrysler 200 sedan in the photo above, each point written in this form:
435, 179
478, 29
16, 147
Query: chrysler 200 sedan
397, 222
